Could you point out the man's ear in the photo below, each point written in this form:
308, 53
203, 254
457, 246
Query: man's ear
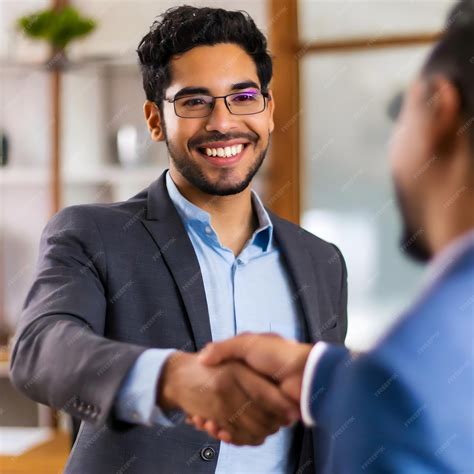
271, 110
154, 121
443, 107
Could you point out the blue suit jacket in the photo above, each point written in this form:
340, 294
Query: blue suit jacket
407, 406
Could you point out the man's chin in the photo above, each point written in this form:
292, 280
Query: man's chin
412, 243
226, 189
226, 183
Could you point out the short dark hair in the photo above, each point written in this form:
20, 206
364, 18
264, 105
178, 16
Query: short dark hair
453, 57
183, 28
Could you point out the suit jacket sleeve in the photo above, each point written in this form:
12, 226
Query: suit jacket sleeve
375, 422
60, 356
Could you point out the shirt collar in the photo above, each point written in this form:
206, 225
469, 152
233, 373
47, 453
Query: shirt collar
196, 217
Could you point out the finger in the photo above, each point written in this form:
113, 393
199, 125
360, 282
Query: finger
224, 436
212, 428
291, 387
272, 402
198, 422
235, 348
244, 421
251, 424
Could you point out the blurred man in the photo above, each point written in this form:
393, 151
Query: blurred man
407, 406
126, 293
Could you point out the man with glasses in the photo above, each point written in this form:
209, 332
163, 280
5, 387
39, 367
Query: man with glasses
407, 405
127, 293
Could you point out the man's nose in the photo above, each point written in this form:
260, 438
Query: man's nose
220, 119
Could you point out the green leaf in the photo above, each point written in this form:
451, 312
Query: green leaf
59, 28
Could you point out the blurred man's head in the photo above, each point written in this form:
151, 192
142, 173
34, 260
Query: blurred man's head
432, 152
190, 56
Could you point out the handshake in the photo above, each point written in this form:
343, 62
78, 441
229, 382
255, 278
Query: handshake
240, 390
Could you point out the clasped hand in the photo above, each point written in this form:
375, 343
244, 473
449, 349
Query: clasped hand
240, 390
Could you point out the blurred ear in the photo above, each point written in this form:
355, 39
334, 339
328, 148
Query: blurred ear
271, 109
443, 109
154, 121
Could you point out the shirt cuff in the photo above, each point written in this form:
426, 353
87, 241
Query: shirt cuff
136, 400
309, 371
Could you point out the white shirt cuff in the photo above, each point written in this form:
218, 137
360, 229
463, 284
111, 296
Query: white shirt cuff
309, 371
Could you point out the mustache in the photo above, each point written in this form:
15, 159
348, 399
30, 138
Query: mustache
221, 137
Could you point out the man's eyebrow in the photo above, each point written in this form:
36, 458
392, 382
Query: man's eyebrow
204, 90
245, 85
191, 91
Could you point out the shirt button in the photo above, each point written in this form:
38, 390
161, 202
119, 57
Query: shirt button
240, 261
208, 230
208, 453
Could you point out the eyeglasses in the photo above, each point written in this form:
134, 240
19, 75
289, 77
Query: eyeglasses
201, 105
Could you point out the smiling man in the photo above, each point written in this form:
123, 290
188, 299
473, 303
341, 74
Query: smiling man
127, 293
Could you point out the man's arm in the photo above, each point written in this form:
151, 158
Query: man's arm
319, 372
375, 422
60, 357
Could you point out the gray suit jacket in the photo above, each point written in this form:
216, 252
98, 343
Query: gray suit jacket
115, 279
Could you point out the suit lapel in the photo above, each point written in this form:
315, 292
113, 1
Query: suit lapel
300, 266
167, 230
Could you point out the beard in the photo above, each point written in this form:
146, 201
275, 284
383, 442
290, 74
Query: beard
224, 185
411, 241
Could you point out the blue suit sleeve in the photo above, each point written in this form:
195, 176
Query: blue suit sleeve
332, 357
136, 398
374, 423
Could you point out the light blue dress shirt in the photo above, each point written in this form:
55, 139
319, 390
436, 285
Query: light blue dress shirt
250, 292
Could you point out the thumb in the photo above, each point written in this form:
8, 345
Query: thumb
209, 355
231, 349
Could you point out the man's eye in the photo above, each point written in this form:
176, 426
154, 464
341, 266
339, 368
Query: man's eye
194, 102
244, 98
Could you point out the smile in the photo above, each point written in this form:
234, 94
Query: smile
223, 155
226, 152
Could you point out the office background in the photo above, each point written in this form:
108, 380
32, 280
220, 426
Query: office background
76, 134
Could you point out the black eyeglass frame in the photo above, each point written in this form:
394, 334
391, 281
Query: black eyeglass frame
266, 98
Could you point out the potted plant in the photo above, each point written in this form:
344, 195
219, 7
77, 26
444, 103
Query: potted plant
59, 27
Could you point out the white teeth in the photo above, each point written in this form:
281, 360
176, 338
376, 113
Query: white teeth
228, 151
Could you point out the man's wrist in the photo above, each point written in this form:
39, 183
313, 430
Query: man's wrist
168, 394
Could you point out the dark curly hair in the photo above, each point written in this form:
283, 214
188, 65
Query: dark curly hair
453, 57
182, 28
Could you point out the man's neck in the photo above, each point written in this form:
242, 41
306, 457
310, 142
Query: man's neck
451, 221
232, 217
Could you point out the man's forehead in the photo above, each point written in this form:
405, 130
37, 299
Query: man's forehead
217, 67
